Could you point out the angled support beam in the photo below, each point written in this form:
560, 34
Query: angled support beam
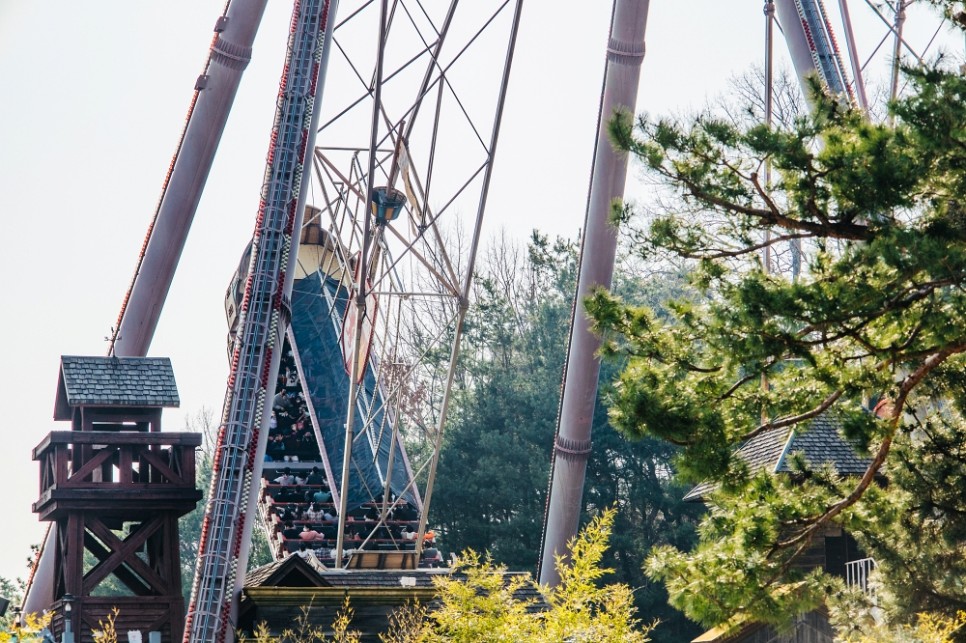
625, 53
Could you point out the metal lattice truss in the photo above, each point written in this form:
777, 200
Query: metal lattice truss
910, 32
421, 122
878, 38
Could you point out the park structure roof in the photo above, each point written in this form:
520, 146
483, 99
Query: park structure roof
132, 382
820, 442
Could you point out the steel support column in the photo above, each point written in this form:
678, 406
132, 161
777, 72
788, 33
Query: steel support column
215, 90
211, 102
625, 52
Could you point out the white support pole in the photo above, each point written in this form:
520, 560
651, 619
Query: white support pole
357, 357
468, 280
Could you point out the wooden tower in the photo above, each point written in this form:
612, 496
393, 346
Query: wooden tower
115, 486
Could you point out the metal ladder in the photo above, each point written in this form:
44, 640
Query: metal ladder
238, 446
824, 48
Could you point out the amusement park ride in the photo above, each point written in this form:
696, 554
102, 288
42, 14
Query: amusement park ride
360, 266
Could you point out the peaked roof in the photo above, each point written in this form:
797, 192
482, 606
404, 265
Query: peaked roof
820, 442
291, 571
823, 443
114, 381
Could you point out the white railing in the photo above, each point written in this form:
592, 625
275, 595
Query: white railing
857, 574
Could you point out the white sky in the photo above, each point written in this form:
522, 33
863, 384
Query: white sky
93, 99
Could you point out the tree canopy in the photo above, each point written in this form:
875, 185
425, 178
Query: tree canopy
483, 606
874, 320
490, 494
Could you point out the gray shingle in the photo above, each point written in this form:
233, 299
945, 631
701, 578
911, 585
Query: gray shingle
765, 449
275, 575
116, 381
820, 442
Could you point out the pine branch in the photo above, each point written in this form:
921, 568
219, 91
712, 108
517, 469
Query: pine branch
795, 419
908, 384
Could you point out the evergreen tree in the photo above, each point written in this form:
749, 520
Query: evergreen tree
491, 490
875, 316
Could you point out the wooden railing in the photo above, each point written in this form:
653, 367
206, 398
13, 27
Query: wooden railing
116, 461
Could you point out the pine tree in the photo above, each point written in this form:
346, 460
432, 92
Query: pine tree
876, 315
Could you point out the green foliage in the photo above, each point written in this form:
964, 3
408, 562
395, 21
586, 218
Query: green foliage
481, 607
953, 10
482, 603
580, 607
13, 591
635, 476
106, 632
30, 631
736, 540
876, 313
491, 490
927, 628
916, 528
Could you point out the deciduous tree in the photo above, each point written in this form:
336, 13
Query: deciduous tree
480, 604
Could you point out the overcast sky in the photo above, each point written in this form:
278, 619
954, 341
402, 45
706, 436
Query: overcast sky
94, 96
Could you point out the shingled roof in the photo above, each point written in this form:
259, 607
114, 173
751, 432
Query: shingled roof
145, 382
820, 443
294, 571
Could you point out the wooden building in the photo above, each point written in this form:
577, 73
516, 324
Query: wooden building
115, 486
281, 593
821, 444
